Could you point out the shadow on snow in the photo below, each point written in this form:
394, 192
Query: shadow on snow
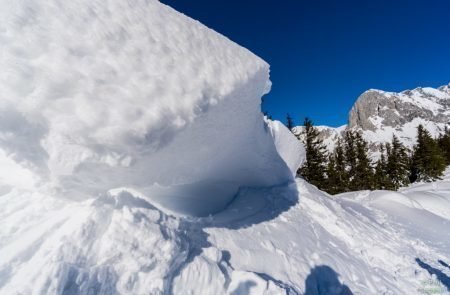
324, 280
440, 276
250, 206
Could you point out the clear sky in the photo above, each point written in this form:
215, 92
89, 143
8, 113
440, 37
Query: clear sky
325, 53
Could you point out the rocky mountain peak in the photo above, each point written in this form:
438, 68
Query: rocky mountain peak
377, 109
379, 114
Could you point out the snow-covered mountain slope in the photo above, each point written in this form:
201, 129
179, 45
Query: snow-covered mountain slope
329, 135
281, 240
379, 114
97, 95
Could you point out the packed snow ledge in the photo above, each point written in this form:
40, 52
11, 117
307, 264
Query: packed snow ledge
131, 94
134, 159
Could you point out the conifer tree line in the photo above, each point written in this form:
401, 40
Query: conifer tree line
349, 166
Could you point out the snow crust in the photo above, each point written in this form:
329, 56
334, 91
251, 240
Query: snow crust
100, 95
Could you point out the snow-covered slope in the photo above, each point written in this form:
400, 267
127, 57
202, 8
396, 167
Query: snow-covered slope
281, 240
379, 114
329, 135
99, 95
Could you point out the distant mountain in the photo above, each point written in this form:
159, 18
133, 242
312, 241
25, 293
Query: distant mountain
379, 114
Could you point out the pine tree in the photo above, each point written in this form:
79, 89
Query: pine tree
381, 178
444, 144
397, 164
350, 157
332, 182
428, 161
341, 169
363, 176
337, 181
314, 168
289, 122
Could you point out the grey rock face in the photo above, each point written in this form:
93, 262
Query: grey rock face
396, 109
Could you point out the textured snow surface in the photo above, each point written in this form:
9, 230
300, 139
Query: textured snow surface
282, 240
97, 95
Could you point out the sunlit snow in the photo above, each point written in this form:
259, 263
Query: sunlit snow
134, 159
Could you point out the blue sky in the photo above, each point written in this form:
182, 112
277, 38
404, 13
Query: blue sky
324, 54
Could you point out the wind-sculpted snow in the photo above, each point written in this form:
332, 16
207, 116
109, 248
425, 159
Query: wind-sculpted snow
281, 240
96, 95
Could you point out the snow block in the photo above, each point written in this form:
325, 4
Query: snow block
99, 95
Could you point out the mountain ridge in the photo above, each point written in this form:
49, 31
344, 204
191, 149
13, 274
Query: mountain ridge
379, 114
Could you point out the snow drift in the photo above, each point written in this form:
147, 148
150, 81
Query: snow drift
99, 95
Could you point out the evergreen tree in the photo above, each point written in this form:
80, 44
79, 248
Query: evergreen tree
397, 165
428, 161
444, 144
381, 178
341, 168
337, 181
363, 175
289, 122
350, 157
314, 168
332, 182
388, 150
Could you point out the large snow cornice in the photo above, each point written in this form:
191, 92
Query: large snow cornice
97, 95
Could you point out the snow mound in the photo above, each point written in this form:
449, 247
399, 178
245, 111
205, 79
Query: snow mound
99, 95
436, 202
430, 197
